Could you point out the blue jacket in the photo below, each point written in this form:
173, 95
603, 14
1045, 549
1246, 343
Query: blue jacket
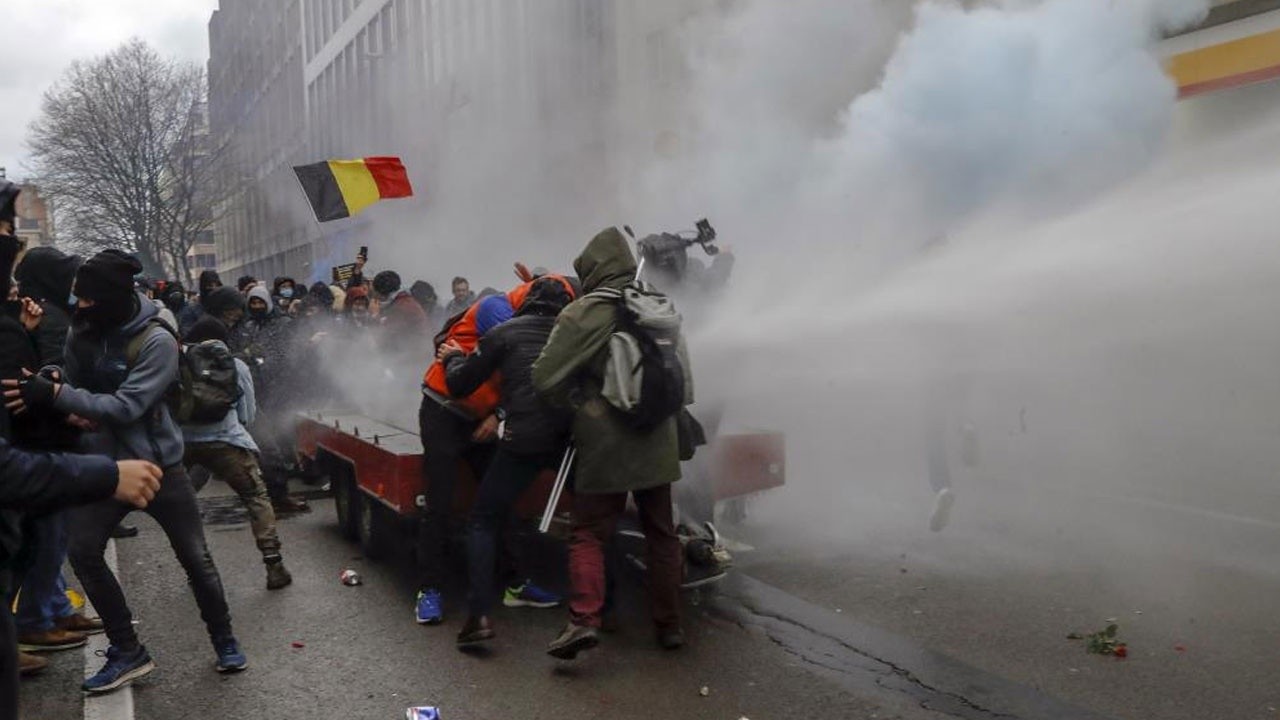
231, 429
126, 401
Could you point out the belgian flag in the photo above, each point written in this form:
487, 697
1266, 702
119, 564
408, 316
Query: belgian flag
342, 188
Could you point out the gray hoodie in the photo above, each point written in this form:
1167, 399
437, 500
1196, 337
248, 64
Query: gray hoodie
127, 402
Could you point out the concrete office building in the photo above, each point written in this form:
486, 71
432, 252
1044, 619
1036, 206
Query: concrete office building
297, 81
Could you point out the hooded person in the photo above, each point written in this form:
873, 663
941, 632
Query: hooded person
532, 440
32, 549
120, 364
228, 306
174, 297
225, 448
45, 619
284, 291
266, 336
613, 459
46, 275
191, 312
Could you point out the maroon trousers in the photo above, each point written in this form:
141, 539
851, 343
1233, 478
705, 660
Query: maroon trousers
595, 519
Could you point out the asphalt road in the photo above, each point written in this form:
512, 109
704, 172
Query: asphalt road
905, 625
362, 656
1192, 591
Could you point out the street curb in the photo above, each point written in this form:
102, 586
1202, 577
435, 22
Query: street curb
112, 706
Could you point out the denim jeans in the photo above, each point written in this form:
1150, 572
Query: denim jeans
43, 600
508, 477
175, 509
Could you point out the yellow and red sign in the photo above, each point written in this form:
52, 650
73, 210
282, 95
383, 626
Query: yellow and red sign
1244, 61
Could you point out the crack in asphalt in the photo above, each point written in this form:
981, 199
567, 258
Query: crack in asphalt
888, 668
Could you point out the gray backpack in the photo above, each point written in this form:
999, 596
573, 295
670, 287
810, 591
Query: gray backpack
646, 377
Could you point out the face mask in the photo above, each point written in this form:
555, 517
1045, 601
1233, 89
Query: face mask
72, 300
286, 292
103, 316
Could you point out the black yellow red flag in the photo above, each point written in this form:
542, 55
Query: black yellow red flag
342, 188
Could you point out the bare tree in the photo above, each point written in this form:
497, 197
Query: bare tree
122, 146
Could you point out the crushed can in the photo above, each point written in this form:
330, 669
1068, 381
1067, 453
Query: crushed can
351, 578
422, 713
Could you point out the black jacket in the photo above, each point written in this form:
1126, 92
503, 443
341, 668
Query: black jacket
532, 426
42, 482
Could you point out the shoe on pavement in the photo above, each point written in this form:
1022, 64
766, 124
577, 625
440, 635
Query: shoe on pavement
121, 669
428, 610
478, 629
122, 531
51, 640
573, 640
278, 576
77, 622
31, 664
230, 659
290, 506
529, 595
942, 503
672, 639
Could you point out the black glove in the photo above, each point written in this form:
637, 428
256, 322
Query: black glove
37, 391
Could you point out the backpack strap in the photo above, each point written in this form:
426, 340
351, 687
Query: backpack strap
134, 347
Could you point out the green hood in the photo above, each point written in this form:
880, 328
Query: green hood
606, 262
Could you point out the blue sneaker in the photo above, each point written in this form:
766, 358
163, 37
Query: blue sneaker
428, 610
230, 659
529, 595
121, 669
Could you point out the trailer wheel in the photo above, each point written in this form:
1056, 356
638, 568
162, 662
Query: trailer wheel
373, 527
343, 487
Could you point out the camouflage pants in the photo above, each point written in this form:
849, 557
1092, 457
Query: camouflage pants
239, 469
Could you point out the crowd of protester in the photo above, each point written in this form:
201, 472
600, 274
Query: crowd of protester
161, 388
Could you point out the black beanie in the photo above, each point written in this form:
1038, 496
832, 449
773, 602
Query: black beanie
107, 276
386, 283
206, 328
547, 296
223, 299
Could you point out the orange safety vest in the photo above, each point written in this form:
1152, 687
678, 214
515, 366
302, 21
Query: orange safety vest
484, 401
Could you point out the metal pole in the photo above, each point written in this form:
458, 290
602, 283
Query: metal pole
562, 477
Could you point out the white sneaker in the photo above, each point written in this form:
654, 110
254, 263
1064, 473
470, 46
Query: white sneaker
942, 503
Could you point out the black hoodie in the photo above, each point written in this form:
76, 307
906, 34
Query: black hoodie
46, 275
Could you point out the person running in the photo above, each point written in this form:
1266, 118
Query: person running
533, 437
226, 449
120, 363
